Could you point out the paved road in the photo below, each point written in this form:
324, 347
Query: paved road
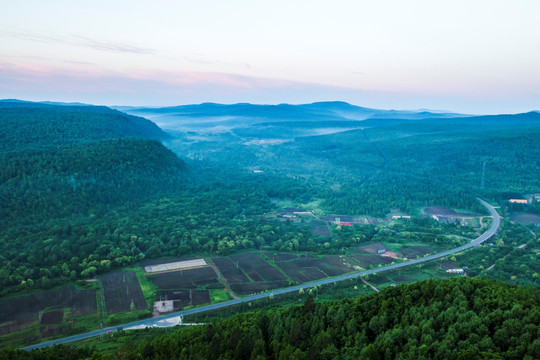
149, 322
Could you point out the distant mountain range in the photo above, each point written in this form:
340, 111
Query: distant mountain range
329, 110
319, 115
332, 109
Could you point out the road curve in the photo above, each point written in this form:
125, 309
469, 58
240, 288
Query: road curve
149, 322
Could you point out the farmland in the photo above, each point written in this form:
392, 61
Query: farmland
186, 279
366, 261
214, 279
249, 273
54, 316
230, 271
122, 292
21, 312
186, 287
256, 268
28, 318
412, 252
183, 298
301, 270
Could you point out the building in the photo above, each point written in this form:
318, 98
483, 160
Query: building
303, 213
163, 306
518, 201
455, 271
443, 219
395, 217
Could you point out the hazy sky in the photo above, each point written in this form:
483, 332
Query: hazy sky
471, 56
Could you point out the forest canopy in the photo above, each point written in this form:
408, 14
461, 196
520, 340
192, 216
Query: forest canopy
460, 318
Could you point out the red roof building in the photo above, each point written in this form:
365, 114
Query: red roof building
345, 224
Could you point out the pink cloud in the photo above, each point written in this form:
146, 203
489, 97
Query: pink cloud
161, 88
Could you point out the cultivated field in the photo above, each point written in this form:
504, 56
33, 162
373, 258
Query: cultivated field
525, 218
334, 265
249, 273
188, 287
183, 298
369, 260
229, 270
20, 312
122, 292
319, 228
54, 316
257, 268
412, 252
370, 248
186, 279
302, 270
314, 267
281, 256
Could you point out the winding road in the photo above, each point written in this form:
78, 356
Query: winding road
149, 322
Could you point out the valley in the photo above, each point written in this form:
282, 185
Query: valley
270, 200
248, 263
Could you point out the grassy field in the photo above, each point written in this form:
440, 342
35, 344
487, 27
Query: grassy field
148, 288
125, 317
219, 295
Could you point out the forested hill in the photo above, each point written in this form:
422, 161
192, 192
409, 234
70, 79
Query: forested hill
26, 125
460, 318
64, 168
60, 160
80, 178
446, 319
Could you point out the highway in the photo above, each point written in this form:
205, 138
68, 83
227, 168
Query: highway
149, 322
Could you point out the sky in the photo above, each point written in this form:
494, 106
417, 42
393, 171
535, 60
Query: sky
474, 56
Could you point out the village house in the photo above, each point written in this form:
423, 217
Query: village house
518, 201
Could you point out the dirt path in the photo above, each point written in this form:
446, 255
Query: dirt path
222, 280
368, 284
519, 247
482, 221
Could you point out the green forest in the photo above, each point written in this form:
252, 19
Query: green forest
96, 198
459, 318
86, 189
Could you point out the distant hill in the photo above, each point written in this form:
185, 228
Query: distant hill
333, 109
25, 125
212, 115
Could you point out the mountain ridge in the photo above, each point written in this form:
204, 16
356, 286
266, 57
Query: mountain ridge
339, 109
